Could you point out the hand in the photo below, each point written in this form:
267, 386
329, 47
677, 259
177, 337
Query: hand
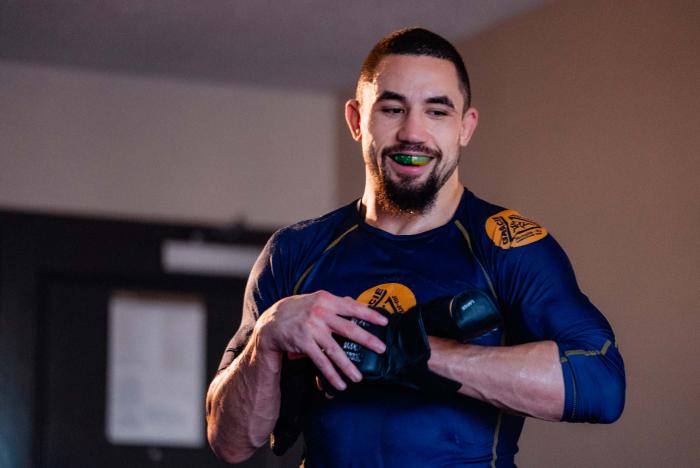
305, 324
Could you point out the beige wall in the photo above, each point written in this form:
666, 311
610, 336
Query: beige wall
589, 118
137, 147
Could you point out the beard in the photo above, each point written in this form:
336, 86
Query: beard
405, 196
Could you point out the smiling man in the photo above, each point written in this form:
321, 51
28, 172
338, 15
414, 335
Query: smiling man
419, 325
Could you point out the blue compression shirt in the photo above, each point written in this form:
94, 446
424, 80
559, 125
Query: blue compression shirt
484, 246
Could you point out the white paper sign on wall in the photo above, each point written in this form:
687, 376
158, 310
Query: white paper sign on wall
156, 370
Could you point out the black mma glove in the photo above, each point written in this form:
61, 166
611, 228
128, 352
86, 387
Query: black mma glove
405, 361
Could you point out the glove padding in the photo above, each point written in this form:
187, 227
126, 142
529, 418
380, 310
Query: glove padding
463, 317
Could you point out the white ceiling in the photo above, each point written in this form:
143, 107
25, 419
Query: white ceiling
301, 43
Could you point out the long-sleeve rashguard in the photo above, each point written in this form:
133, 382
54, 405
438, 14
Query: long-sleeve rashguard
484, 246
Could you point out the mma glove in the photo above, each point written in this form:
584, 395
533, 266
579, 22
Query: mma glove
405, 361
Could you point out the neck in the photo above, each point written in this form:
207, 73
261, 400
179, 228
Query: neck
440, 213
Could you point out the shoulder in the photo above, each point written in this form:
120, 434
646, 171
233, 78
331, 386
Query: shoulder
288, 252
526, 263
493, 226
516, 251
314, 231
300, 243
496, 227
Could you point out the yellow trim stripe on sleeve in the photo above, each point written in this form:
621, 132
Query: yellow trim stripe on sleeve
586, 352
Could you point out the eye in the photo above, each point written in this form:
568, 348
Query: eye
391, 110
437, 113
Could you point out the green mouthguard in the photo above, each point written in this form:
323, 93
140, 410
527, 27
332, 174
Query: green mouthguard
409, 159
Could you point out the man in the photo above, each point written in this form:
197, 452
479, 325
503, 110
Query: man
415, 235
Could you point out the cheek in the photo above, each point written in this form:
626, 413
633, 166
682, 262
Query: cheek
382, 128
450, 136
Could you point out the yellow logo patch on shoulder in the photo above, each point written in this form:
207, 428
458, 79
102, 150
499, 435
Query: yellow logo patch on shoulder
509, 229
392, 297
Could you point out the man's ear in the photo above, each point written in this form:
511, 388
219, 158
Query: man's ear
470, 119
352, 117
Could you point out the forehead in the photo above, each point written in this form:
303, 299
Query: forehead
416, 77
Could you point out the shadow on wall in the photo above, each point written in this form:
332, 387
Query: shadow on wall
588, 124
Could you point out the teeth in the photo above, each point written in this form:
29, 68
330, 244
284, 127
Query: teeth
410, 159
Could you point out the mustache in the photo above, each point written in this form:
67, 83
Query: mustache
415, 148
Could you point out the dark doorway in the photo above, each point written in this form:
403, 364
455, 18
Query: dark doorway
57, 275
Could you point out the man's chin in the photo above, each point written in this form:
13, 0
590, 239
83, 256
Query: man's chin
413, 198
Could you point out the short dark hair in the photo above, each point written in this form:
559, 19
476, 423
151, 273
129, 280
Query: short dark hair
416, 41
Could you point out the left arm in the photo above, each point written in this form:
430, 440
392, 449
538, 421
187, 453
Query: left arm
561, 360
525, 379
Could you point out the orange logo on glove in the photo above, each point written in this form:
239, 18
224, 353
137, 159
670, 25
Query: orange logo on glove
392, 297
509, 229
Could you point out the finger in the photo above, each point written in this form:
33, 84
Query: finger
319, 386
359, 310
325, 366
356, 333
333, 350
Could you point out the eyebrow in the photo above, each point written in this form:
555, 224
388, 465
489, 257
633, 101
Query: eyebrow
393, 96
444, 100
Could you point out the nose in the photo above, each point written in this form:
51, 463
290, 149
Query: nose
412, 129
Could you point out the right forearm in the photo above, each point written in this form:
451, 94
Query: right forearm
243, 403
